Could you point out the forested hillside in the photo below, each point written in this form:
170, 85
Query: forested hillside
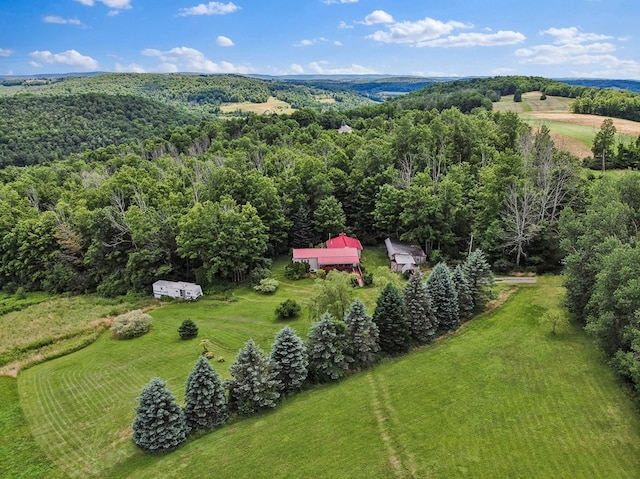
36, 129
212, 202
203, 93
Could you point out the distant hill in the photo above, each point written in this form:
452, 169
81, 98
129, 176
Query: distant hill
630, 85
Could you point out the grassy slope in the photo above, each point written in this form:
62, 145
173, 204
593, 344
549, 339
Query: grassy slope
501, 398
21, 456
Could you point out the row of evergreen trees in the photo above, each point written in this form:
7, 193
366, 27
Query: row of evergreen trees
413, 316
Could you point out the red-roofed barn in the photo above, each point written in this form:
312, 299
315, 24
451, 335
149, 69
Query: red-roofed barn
328, 258
344, 241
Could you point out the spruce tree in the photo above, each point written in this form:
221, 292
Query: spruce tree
362, 336
253, 386
325, 348
444, 298
302, 235
422, 321
159, 426
289, 360
205, 398
480, 278
465, 300
392, 323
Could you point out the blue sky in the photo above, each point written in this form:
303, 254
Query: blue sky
559, 39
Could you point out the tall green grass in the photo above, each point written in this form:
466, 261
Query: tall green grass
501, 398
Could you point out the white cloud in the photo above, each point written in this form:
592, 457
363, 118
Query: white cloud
376, 17
295, 68
191, 60
309, 42
61, 21
344, 25
416, 32
69, 57
476, 40
131, 68
571, 35
211, 8
5, 52
117, 4
331, 2
223, 41
337, 43
318, 68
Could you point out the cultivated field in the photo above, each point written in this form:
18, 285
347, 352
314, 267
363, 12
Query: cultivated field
501, 398
272, 105
571, 132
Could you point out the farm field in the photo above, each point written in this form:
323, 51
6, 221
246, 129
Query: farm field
272, 105
570, 131
500, 398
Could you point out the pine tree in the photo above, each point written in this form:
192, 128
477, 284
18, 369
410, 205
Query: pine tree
362, 336
444, 298
422, 321
302, 229
205, 398
253, 386
326, 345
465, 300
188, 329
480, 278
159, 426
392, 323
289, 360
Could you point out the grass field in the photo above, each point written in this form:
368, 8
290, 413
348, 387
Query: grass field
272, 105
51, 325
571, 132
501, 398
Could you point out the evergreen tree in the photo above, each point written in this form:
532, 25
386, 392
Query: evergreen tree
289, 360
188, 329
422, 321
159, 426
391, 320
465, 300
205, 398
253, 387
444, 298
480, 278
362, 336
326, 346
302, 229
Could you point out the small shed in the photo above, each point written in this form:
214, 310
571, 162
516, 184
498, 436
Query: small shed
176, 289
404, 257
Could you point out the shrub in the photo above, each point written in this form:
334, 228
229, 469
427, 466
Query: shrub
288, 309
258, 274
188, 329
296, 270
131, 325
367, 277
321, 274
267, 286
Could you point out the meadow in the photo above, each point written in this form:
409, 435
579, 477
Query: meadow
502, 397
570, 131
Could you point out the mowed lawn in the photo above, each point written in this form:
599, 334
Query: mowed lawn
501, 398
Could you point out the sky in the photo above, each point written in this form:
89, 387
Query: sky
445, 38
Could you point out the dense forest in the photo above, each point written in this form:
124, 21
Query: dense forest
37, 129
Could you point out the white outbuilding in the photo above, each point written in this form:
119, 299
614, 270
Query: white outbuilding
176, 289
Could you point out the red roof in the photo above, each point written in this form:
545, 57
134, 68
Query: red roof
328, 256
344, 241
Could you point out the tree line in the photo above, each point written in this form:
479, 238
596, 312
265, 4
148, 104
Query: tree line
335, 347
602, 269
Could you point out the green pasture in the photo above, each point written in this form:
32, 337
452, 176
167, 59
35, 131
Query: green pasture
501, 398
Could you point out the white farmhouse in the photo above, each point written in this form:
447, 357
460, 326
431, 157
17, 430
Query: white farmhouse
176, 289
